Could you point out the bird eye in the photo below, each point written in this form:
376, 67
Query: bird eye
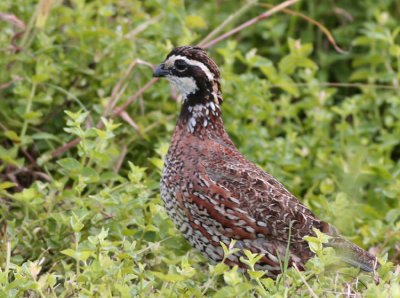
180, 65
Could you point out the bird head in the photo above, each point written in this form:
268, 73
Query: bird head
193, 74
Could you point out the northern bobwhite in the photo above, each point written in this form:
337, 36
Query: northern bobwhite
213, 193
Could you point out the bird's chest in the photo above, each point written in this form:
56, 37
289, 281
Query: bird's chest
176, 175
170, 186
181, 202
180, 171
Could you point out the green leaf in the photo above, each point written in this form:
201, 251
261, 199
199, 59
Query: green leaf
27, 195
45, 136
195, 22
70, 164
90, 175
170, 277
77, 255
220, 268
12, 135
255, 274
231, 277
76, 223
327, 186
7, 184
223, 292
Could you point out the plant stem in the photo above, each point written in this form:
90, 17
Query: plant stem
78, 267
27, 110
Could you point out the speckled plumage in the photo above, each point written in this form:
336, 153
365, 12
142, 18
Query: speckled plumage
214, 194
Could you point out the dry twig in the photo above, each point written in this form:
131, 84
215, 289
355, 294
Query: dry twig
118, 89
314, 22
120, 159
251, 22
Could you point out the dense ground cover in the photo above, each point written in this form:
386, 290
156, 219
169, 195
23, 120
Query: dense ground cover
87, 220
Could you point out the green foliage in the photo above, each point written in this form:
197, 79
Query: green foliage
90, 222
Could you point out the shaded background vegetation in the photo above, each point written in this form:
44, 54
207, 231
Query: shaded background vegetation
87, 220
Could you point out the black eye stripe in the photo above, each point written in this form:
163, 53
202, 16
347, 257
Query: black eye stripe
180, 64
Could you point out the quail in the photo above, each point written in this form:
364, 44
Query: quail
214, 194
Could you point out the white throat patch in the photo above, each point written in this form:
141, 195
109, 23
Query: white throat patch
185, 85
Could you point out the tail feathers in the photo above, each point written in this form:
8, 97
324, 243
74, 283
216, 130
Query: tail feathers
356, 263
353, 254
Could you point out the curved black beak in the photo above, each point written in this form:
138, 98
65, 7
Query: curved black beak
160, 71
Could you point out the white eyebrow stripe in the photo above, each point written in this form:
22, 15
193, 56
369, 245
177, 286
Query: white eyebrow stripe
173, 58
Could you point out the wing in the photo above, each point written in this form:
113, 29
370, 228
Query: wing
272, 210
257, 199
